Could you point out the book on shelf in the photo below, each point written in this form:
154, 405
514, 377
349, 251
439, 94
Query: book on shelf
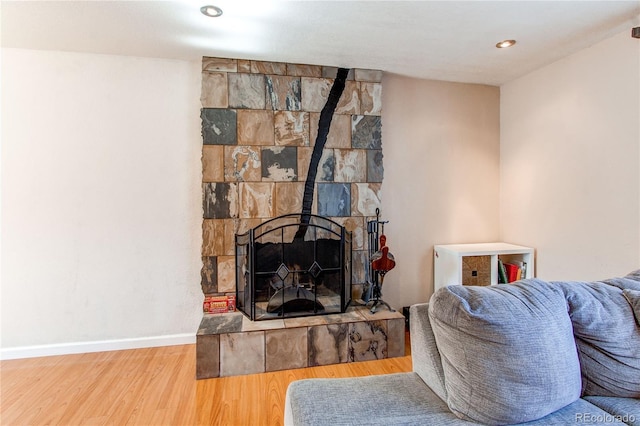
512, 272
502, 273
515, 271
523, 268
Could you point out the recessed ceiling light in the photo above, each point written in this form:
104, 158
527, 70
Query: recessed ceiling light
211, 11
505, 43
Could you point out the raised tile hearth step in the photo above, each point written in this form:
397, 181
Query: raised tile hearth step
230, 344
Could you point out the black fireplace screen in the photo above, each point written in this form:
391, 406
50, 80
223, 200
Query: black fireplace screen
280, 274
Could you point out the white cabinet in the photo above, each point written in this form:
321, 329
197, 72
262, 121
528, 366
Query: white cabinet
477, 264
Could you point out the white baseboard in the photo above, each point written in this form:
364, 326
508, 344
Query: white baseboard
96, 346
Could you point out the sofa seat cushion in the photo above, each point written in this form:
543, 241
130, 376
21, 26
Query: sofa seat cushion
391, 399
579, 412
508, 352
398, 399
626, 410
607, 336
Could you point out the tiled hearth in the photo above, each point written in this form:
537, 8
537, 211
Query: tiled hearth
231, 344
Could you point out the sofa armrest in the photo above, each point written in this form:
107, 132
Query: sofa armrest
424, 351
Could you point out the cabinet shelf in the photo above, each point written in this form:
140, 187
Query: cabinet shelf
477, 264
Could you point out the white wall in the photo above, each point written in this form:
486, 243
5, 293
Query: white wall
101, 185
100, 194
570, 162
441, 175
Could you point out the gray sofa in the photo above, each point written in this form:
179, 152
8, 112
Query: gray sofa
531, 352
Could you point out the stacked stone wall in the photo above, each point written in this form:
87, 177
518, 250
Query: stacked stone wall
259, 125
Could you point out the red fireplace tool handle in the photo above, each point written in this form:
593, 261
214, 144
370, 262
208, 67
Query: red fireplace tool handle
382, 261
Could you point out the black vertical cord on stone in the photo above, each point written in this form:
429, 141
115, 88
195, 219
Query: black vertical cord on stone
326, 115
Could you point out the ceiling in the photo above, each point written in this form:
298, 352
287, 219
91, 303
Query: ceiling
441, 40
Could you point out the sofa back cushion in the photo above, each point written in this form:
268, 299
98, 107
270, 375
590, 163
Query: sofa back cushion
607, 335
508, 352
633, 297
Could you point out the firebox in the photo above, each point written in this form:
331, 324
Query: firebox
282, 272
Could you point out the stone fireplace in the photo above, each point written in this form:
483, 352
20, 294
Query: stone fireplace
259, 125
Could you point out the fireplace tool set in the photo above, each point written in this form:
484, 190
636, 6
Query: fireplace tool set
381, 261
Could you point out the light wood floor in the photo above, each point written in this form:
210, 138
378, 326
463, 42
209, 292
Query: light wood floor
153, 386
